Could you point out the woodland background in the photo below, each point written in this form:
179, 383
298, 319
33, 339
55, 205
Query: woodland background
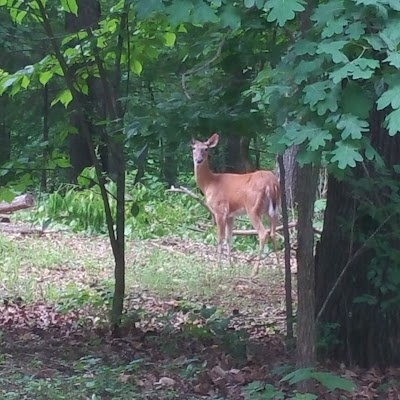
99, 102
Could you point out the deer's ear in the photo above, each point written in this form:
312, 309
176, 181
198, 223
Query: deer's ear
213, 140
193, 142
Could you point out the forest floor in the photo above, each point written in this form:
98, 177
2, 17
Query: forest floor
191, 331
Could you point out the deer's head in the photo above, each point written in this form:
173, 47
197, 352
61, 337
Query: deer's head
200, 149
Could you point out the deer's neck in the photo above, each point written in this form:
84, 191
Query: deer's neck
204, 177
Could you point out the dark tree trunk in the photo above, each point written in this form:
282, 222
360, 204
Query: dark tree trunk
46, 112
89, 13
286, 236
291, 174
356, 218
308, 176
5, 151
169, 163
237, 158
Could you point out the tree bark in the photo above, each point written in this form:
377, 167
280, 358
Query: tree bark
305, 268
288, 275
364, 332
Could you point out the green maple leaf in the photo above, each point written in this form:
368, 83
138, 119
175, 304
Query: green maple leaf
393, 122
315, 92
345, 155
334, 27
393, 59
352, 126
333, 49
390, 97
327, 12
282, 11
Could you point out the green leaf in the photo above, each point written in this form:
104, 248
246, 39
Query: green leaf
170, 38
390, 97
306, 69
6, 195
25, 82
249, 3
352, 126
393, 122
360, 68
203, 14
393, 59
345, 155
70, 6
136, 67
230, 17
282, 11
297, 376
334, 27
319, 140
179, 12
65, 97
145, 8
327, 12
333, 382
355, 30
391, 34
333, 49
372, 154
394, 4
303, 47
315, 92
44, 77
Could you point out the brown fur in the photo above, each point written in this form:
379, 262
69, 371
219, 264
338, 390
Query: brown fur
228, 195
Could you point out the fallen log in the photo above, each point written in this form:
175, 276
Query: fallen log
19, 203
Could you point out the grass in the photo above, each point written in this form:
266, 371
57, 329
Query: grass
75, 272
50, 267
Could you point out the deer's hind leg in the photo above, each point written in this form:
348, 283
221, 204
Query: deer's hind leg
228, 237
220, 220
256, 220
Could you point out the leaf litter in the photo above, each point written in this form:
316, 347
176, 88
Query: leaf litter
179, 350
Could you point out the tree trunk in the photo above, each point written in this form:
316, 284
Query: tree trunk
305, 268
89, 13
46, 112
291, 174
237, 157
362, 316
288, 275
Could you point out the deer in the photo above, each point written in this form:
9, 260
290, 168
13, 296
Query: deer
228, 195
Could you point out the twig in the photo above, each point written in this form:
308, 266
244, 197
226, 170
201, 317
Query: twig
182, 189
346, 267
199, 68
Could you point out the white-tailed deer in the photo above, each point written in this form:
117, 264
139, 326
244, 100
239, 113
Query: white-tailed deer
229, 195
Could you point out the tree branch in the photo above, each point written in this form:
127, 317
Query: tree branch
201, 67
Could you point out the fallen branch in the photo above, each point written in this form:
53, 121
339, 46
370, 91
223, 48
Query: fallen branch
182, 189
19, 203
